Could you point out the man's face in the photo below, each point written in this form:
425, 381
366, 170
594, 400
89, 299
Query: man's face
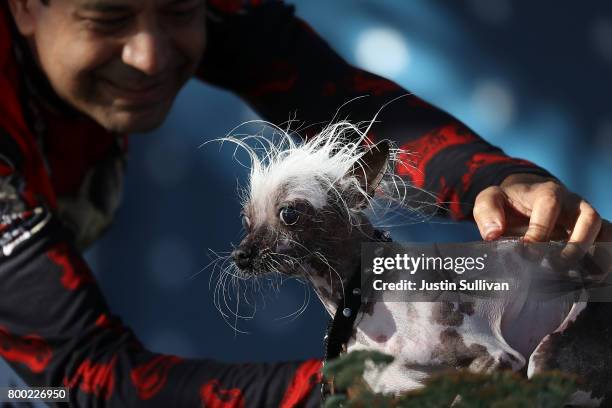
121, 62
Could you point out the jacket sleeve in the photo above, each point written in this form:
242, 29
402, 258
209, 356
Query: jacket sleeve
280, 66
57, 330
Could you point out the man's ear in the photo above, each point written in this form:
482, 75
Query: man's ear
23, 15
373, 166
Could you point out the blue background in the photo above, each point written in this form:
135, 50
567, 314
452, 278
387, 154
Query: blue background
531, 77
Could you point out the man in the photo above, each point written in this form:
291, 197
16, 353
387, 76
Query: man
77, 75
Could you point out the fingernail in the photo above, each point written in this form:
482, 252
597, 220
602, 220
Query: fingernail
492, 230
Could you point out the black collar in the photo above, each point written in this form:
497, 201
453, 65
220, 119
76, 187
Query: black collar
340, 328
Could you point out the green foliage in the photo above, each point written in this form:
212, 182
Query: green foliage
462, 389
349, 367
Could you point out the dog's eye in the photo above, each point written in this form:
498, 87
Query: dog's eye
246, 223
289, 215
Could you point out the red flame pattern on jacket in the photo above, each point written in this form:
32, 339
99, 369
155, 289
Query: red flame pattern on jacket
75, 271
213, 396
151, 377
94, 378
31, 350
307, 375
425, 148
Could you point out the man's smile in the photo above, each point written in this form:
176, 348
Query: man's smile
136, 96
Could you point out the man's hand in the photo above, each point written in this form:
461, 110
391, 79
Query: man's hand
540, 209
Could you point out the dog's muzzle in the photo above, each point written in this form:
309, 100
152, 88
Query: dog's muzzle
243, 256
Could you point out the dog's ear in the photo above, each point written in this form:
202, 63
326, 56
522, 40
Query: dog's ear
373, 166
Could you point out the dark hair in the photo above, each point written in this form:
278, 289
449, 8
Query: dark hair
45, 2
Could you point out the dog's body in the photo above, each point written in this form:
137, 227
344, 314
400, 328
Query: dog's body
303, 215
514, 332
479, 335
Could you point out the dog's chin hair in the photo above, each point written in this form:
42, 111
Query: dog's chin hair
236, 291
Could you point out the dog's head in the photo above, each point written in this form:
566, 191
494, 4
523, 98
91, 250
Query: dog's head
303, 208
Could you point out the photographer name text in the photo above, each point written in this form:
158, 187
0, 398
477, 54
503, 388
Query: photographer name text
462, 285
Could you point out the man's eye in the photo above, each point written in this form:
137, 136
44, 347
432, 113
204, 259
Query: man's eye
289, 215
184, 12
109, 23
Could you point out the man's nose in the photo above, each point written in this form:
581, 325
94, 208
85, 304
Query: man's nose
242, 256
148, 51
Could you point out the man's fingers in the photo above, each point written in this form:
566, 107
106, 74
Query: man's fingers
587, 225
544, 213
489, 212
586, 229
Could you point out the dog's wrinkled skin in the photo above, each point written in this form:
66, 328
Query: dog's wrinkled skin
293, 236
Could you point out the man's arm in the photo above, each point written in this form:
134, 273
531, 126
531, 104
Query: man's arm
57, 330
280, 66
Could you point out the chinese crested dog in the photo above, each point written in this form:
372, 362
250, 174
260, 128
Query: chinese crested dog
308, 208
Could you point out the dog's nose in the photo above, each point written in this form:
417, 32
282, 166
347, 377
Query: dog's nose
242, 257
